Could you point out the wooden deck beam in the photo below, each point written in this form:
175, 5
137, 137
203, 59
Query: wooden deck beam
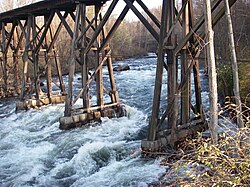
4, 57
42, 8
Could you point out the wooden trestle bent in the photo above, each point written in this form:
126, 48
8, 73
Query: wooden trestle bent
169, 128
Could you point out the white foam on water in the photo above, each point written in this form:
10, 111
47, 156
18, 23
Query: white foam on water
24, 163
24, 148
133, 172
34, 152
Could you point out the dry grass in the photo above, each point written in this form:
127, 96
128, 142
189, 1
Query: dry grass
198, 162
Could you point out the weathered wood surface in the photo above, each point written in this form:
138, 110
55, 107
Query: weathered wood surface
165, 138
36, 103
158, 78
45, 7
93, 114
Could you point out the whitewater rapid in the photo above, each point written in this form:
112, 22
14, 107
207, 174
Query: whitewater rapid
35, 152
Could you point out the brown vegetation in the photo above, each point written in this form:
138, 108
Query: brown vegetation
199, 162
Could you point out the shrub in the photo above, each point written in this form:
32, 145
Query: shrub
198, 162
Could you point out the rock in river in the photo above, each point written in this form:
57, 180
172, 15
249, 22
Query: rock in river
122, 68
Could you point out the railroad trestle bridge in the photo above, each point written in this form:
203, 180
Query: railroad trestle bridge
27, 34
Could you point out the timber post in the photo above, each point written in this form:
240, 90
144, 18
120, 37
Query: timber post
25, 58
98, 76
158, 80
15, 50
185, 91
35, 56
172, 73
198, 105
84, 62
69, 98
4, 59
114, 93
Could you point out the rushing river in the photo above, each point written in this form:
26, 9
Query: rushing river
35, 152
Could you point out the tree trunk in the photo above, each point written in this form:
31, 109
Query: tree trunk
236, 87
213, 125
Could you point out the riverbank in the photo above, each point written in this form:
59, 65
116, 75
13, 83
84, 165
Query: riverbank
198, 162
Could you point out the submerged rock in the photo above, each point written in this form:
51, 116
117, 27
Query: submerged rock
42, 84
122, 68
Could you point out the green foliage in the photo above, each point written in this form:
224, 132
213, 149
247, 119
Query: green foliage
225, 79
241, 26
244, 76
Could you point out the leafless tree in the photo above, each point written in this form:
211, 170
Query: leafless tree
6, 5
213, 125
